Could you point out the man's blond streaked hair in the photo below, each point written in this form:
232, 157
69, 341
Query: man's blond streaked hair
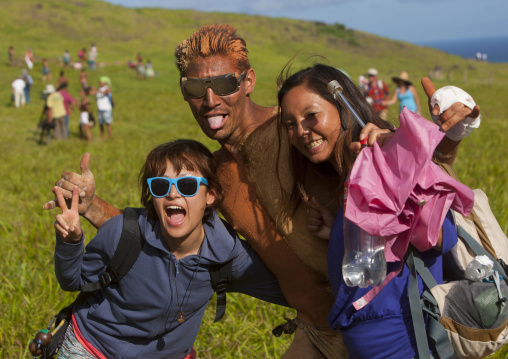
212, 40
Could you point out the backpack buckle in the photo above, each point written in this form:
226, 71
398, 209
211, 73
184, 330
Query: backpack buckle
222, 285
104, 279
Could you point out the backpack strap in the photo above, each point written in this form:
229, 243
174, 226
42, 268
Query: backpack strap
221, 277
126, 253
482, 234
434, 331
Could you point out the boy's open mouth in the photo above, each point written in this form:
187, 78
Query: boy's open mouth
175, 215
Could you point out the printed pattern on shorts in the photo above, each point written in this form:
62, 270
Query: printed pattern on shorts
72, 348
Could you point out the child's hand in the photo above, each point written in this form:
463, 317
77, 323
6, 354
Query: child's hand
67, 224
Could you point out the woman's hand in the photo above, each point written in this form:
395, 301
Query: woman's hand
373, 134
67, 224
320, 219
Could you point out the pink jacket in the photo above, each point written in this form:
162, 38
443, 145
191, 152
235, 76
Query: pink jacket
399, 193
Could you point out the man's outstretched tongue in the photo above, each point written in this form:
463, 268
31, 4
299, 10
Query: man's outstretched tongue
176, 216
216, 122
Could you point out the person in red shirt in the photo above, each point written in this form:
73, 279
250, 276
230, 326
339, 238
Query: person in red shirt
376, 92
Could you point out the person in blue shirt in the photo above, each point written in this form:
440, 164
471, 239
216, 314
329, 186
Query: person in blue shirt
405, 93
323, 134
155, 311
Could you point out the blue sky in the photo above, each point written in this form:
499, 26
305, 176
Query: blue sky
414, 21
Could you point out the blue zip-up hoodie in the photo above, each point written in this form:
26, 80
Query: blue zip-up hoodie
137, 317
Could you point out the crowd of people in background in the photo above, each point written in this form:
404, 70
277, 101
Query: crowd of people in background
59, 104
374, 89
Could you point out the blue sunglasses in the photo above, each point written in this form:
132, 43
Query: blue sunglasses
187, 186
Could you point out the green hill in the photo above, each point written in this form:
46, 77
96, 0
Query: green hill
151, 112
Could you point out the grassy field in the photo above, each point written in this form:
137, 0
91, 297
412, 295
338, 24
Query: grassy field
151, 112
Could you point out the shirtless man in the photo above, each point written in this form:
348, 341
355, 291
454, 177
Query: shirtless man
216, 81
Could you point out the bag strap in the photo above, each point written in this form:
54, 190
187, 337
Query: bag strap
434, 331
126, 253
221, 277
482, 234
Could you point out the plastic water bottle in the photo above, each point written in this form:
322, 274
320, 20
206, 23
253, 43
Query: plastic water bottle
364, 262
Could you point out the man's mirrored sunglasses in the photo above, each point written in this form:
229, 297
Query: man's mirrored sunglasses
221, 85
187, 186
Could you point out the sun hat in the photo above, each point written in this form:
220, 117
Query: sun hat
372, 72
402, 77
49, 89
106, 80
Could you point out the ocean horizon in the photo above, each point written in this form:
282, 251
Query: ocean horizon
496, 48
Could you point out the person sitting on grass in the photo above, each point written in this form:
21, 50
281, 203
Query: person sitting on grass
157, 308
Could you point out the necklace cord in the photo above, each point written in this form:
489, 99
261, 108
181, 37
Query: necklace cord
181, 313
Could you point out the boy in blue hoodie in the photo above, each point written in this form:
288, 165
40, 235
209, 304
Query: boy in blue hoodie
155, 311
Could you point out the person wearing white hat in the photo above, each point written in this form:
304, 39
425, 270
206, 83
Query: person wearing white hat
55, 111
405, 93
376, 92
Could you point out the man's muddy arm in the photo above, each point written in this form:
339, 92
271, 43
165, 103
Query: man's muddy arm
92, 207
446, 151
100, 211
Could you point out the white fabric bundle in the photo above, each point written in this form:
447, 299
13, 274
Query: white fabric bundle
445, 97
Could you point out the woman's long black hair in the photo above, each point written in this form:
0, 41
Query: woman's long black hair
316, 79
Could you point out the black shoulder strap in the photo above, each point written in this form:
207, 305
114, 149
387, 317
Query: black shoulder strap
221, 276
126, 253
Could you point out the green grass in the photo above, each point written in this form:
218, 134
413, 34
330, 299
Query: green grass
148, 113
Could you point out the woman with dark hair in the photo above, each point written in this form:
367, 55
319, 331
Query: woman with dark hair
325, 134
323, 137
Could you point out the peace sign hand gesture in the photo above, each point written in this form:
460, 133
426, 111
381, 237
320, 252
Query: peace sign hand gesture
67, 224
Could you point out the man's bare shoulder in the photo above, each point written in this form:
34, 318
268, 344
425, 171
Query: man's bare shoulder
267, 114
222, 156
